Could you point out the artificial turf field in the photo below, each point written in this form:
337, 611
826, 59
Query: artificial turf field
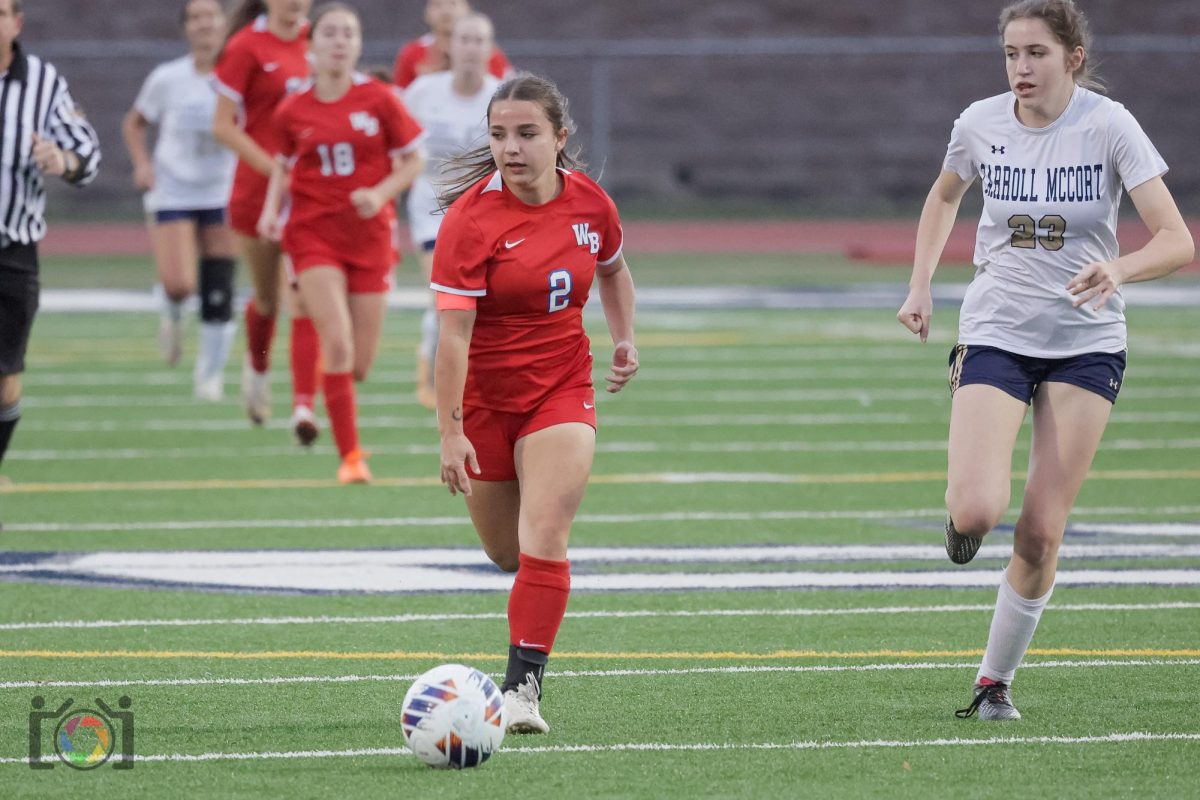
781, 469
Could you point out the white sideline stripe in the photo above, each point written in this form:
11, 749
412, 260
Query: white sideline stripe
284, 680
768, 372
631, 614
474, 557
862, 396
918, 446
615, 420
1129, 529
1111, 738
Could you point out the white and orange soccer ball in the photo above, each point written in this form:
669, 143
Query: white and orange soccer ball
453, 716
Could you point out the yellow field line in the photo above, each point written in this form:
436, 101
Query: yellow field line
714, 655
625, 478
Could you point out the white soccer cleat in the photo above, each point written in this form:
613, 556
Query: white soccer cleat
521, 708
304, 426
256, 393
170, 339
210, 388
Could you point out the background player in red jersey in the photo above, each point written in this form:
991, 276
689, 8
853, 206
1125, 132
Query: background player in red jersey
264, 58
514, 260
352, 147
431, 52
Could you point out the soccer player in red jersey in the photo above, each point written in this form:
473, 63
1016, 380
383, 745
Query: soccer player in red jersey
431, 52
514, 260
264, 58
352, 148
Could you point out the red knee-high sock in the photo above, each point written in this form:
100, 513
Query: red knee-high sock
538, 602
260, 330
339, 405
306, 353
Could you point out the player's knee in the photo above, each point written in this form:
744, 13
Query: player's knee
216, 289
505, 558
1037, 540
338, 354
10, 390
361, 371
975, 513
178, 290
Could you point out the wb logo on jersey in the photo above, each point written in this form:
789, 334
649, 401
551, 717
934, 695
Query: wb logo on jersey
583, 236
363, 121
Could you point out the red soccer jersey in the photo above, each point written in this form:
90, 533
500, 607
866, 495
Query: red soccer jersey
335, 148
531, 268
423, 55
257, 70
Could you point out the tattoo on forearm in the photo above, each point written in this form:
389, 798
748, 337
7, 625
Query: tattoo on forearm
456, 415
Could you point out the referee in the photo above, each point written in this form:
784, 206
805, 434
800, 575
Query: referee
41, 133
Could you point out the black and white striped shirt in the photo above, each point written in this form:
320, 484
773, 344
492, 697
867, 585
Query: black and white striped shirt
34, 98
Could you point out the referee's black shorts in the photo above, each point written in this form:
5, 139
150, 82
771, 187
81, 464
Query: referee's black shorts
18, 303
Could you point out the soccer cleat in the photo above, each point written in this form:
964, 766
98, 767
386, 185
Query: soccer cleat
992, 701
521, 707
961, 549
256, 393
170, 339
426, 394
354, 468
211, 388
304, 426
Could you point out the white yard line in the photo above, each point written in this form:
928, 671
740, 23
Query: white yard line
657, 747
582, 615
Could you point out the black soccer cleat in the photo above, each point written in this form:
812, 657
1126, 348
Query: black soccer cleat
961, 549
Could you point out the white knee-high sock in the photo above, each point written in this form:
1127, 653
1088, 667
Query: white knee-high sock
1013, 624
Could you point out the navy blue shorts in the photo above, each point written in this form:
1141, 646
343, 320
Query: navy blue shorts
428, 244
1019, 375
203, 217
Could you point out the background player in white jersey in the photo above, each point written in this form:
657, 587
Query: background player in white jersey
186, 184
452, 108
1042, 321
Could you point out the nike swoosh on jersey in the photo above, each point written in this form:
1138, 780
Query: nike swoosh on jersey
589, 406
510, 245
270, 66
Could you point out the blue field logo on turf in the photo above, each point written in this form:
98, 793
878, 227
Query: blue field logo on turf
82, 738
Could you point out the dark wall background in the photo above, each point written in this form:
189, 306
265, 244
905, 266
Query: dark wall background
808, 107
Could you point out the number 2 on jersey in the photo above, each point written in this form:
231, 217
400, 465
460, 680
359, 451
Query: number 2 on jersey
1025, 232
341, 162
560, 290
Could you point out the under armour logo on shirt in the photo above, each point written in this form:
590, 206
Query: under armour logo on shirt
998, 149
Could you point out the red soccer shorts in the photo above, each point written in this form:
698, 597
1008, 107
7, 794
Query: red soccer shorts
362, 276
494, 434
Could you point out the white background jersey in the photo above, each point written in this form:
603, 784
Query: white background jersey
453, 124
191, 171
1050, 208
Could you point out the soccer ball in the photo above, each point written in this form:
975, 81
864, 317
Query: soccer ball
453, 716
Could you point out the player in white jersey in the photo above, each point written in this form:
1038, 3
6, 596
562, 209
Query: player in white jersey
452, 108
1042, 323
187, 184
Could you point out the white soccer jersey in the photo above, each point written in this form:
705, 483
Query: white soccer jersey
453, 124
191, 171
1050, 199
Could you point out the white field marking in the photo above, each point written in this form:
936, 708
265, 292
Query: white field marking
669, 421
284, 680
586, 615
1126, 529
241, 453
474, 557
861, 396
658, 747
399, 572
1143, 529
